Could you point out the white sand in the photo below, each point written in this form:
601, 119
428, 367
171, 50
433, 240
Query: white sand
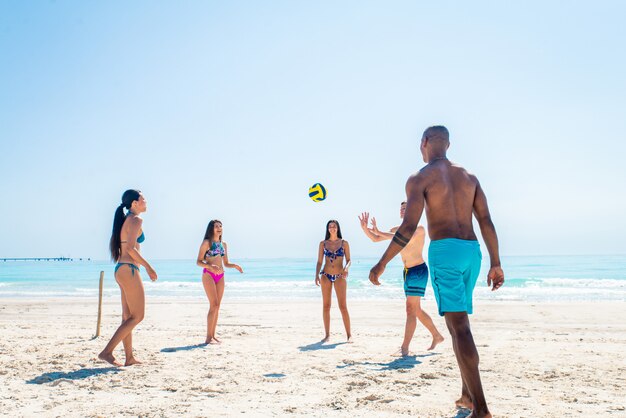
547, 360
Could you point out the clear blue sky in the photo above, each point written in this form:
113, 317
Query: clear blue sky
231, 110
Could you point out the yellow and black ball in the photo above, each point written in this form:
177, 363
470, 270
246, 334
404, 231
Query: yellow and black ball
317, 192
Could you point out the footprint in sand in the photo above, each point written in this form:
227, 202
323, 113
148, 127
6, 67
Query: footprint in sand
402, 382
211, 392
59, 381
356, 385
337, 404
373, 379
369, 398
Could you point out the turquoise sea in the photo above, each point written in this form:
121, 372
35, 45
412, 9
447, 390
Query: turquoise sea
541, 278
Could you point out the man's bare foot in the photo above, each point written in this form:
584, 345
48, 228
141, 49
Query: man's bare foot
464, 402
349, 340
131, 361
109, 359
212, 340
402, 352
436, 340
325, 339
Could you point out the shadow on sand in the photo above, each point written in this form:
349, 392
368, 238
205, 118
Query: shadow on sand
462, 413
183, 348
320, 346
406, 362
75, 375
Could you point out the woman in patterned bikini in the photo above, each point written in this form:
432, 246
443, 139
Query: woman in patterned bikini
334, 251
125, 246
213, 257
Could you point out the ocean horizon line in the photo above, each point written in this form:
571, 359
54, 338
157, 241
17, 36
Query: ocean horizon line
354, 257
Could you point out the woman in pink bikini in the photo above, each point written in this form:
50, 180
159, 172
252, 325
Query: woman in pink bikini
334, 250
213, 257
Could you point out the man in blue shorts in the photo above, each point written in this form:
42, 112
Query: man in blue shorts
415, 275
450, 196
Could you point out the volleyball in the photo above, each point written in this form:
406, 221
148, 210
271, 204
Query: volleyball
317, 192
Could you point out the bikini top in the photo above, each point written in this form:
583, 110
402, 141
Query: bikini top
141, 238
334, 254
216, 249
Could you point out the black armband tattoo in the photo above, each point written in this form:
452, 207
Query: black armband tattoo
400, 239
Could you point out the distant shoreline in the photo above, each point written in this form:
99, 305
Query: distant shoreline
356, 258
42, 259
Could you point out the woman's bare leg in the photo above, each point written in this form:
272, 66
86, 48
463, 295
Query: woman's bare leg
327, 294
132, 288
128, 340
211, 293
341, 289
219, 287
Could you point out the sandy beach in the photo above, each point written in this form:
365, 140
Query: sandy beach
546, 360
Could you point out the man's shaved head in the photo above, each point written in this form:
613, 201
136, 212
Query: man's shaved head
437, 132
435, 142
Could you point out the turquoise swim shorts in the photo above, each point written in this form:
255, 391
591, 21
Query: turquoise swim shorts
454, 267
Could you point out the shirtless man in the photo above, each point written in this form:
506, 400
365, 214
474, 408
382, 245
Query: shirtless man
450, 196
415, 279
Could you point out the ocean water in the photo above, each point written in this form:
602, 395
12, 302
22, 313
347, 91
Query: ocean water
541, 278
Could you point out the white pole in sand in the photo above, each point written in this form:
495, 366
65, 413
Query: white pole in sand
100, 304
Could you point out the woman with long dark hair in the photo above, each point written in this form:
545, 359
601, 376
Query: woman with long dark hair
125, 246
334, 250
213, 257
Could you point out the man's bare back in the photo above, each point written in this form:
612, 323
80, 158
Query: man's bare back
449, 192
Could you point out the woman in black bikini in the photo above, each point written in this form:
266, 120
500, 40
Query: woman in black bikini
125, 239
334, 250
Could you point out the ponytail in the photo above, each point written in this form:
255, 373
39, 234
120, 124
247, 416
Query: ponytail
115, 244
118, 221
